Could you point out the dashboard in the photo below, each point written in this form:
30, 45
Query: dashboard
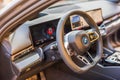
44, 27
46, 32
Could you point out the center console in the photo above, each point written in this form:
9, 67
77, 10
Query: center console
109, 65
114, 58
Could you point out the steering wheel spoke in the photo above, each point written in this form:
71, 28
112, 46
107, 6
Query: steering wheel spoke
83, 59
87, 58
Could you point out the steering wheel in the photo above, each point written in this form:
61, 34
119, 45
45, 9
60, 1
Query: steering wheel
79, 41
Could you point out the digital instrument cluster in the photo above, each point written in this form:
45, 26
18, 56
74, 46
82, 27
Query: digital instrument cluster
42, 33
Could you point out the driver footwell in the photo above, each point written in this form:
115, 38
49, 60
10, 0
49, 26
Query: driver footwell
55, 74
61, 72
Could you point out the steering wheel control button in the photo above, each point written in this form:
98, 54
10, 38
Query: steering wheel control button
93, 36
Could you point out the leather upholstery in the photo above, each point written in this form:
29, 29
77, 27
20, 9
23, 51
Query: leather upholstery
8, 71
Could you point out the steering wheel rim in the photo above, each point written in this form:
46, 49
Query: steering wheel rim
60, 41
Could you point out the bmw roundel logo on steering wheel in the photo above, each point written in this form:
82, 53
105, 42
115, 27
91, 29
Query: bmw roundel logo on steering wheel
85, 40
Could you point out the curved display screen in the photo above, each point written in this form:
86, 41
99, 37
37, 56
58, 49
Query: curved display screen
78, 22
42, 33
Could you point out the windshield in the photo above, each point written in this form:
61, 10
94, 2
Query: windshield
64, 6
68, 2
